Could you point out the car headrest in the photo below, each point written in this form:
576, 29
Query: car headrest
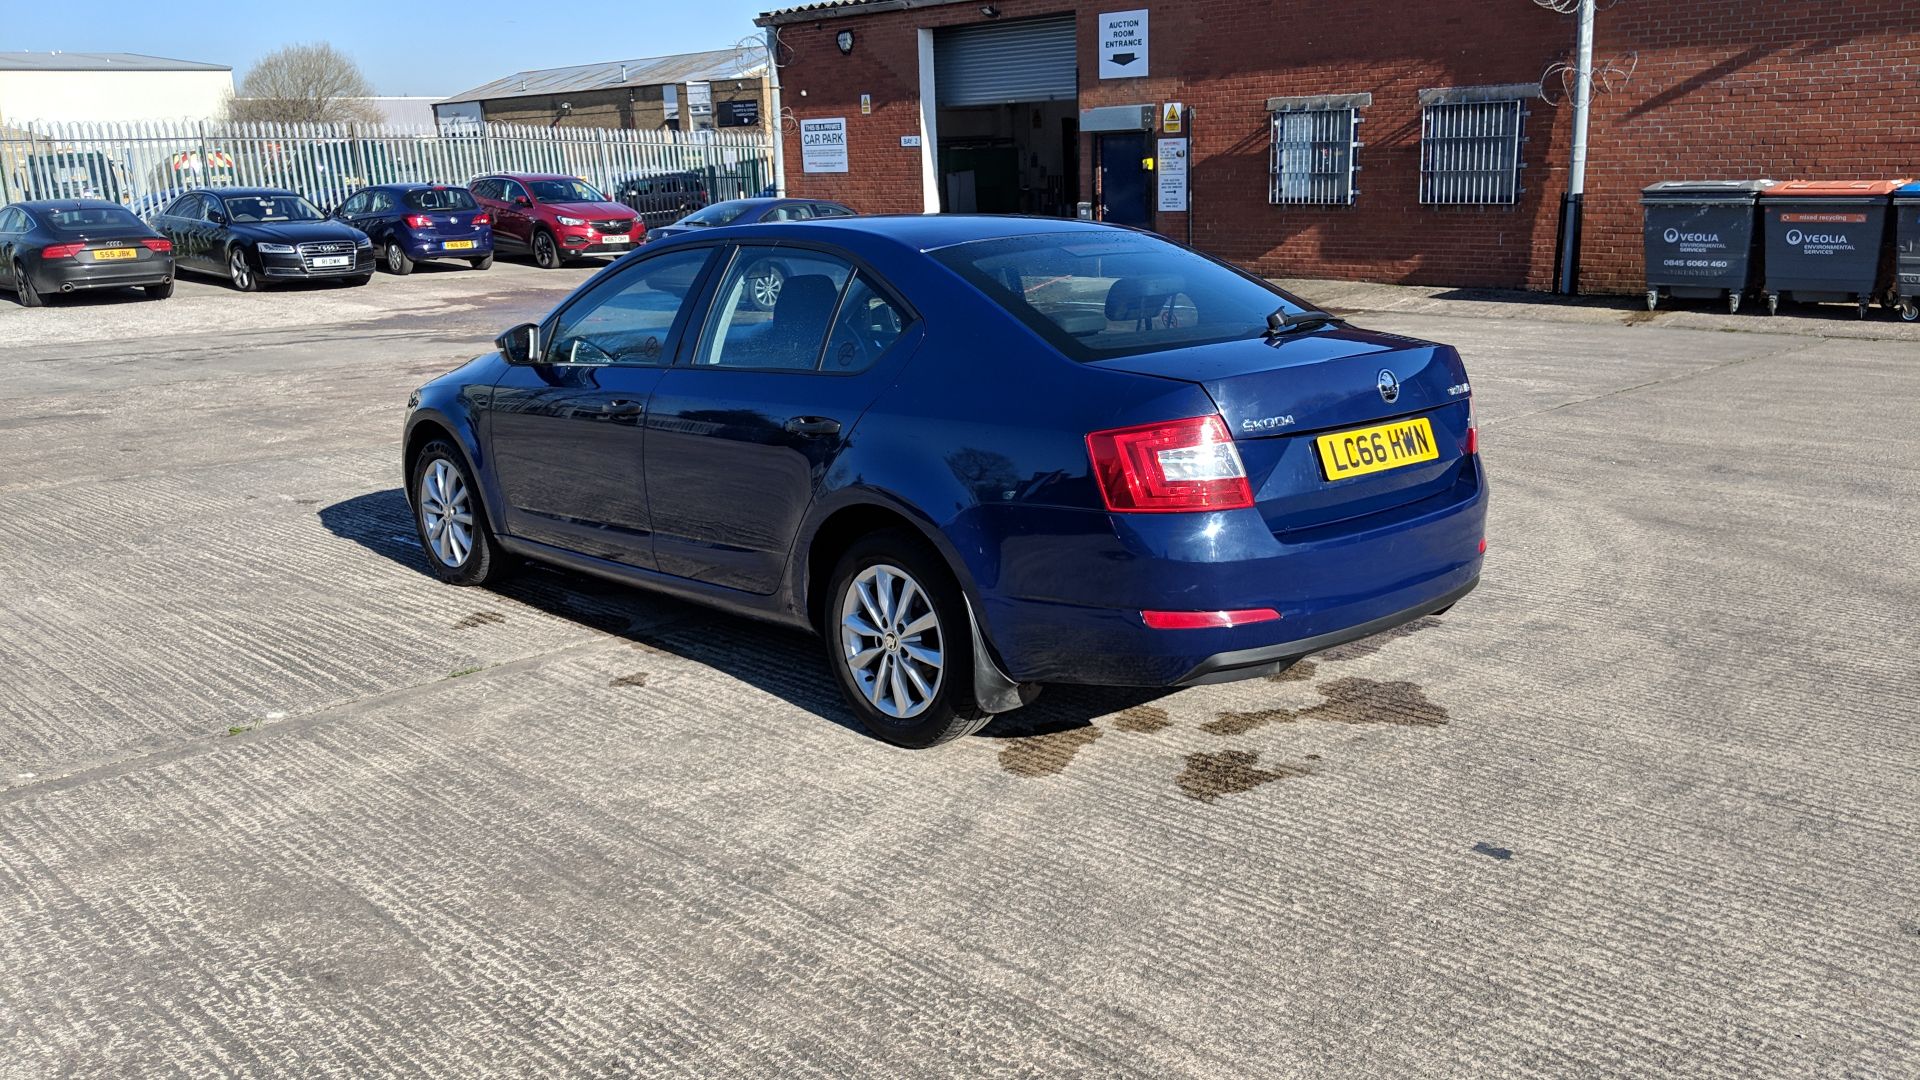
804, 295
1139, 297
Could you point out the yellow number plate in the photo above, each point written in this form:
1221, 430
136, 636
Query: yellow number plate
1376, 449
104, 254
459, 245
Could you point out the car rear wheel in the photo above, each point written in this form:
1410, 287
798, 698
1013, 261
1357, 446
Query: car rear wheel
546, 251
160, 291
397, 261
484, 262
452, 524
29, 296
241, 272
898, 642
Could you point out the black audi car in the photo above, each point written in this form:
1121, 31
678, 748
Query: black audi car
63, 245
255, 235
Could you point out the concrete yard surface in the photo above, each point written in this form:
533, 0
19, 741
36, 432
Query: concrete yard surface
275, 802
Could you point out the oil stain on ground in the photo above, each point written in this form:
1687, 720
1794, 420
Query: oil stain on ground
1230, 772
1048, 754
1299, 672
1142, 719
1367, 646
479, 618
638, 678
1348, 701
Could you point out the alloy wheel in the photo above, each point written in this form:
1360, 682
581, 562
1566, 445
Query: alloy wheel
891, 641
543, 251
393, 257
766, 285
238, 269
446, 513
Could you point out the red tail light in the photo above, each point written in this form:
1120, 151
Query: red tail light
159, 244
1473, 441
419, 221
61, 251
1206, 620
482, 219
1173, 467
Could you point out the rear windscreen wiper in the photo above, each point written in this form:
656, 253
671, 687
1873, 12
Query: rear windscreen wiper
1285, 322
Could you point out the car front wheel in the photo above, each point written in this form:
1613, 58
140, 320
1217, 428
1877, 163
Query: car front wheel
452, 524
898, 642
240, 271
546, 251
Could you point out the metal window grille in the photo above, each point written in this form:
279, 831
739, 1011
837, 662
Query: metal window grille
1313, 153
1470, 152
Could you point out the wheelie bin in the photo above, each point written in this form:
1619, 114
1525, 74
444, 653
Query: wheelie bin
1826, 240
1701, 240
1906, 243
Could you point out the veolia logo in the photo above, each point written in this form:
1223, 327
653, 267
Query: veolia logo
1796, 237
1675, 236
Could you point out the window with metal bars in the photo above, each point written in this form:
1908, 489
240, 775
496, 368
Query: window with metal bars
1470, 152
1313, 151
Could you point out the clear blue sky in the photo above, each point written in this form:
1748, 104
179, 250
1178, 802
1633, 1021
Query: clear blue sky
450, 46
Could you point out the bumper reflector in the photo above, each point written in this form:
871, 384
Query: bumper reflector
1206, 620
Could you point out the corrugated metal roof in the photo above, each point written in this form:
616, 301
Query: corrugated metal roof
830, 9
648, 71
98, 61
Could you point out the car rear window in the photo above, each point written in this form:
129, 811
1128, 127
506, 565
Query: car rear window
1097, 296
718, 214
440, 199
91, 217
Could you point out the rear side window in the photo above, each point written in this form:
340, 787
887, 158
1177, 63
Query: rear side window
773, 310
91, 217
1095, 296
867, 325
440, 199
186, 206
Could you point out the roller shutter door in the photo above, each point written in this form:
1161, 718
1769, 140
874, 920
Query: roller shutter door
994, 63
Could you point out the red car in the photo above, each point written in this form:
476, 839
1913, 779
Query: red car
555, 218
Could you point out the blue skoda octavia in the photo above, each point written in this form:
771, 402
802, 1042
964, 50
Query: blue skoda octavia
975, 454
412, 223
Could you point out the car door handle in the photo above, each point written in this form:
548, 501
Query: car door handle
623, 408
813, 426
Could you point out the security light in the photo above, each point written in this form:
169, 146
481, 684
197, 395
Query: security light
844, 39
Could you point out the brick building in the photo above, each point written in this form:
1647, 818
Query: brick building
1374, 139
720, 88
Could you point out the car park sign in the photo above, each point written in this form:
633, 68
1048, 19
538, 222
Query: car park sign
823, 145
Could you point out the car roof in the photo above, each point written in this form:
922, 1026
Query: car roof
928, 232
243, 192
66, 204
416, 185
526, 176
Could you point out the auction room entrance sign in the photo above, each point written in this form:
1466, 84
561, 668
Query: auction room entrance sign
1123, 44
823, 145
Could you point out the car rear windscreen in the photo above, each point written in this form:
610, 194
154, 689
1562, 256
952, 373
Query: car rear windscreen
440, 199
718, 214
1097, 296
88, 218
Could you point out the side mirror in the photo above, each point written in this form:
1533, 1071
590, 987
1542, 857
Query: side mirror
520, 345
216, 217
522, 200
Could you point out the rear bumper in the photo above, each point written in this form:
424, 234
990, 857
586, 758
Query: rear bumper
67, 275
1252, 663
435, 247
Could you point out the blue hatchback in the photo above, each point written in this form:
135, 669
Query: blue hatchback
975, 454
411, 223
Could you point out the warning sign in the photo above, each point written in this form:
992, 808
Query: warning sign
1170, 117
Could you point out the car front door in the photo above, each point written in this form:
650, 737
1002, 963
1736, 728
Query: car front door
354, 211
743, 429
13, 222
567, 435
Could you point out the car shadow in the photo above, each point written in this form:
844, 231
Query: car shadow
781, 661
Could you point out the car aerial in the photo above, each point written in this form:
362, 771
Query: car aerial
411, 223
975, 454
750, 212
252, 236
555, 218
63, 245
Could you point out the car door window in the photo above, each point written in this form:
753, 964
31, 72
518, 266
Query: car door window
382, 202
867, 325
186, 206
773, 309
629, 317
830, 210
511, 191
11, 220
789, 212
355, 206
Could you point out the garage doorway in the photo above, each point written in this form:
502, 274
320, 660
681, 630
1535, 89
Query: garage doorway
1007, 117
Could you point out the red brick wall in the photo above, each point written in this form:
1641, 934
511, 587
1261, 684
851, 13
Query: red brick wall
1782, 88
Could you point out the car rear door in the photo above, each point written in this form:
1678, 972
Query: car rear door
743, 429
514, 221
566, 435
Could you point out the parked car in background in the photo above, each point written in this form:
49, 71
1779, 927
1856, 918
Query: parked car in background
975, 454
555, 218
252, 236
663, 196
750, 212
61, 246
411, 223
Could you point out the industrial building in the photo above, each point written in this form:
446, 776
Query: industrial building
108, 88
725, 88
1375, 139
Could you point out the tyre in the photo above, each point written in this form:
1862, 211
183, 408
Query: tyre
899, 644
1653, 299
1733, 303
451, 521
1909, 310
29, 296
241, 272
1773, 303
484, 262
397, 261
546, 251
764, 282
160, 291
